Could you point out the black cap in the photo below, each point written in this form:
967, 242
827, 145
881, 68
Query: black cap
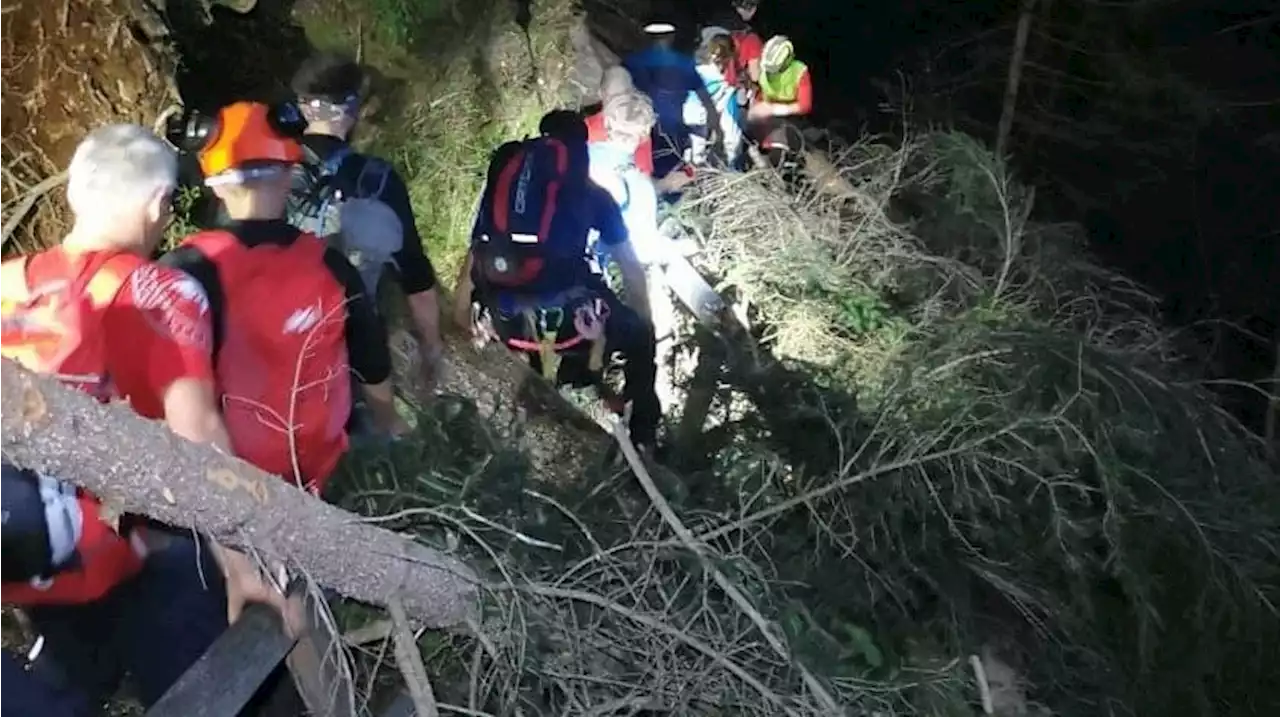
563, 124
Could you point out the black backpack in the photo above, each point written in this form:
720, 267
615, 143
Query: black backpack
534, 189
349, 215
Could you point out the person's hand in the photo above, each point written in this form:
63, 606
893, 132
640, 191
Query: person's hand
245, 584
760, 110
674, 182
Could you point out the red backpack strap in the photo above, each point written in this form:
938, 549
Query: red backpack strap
110, 277
211, 244
210, 241
14, 287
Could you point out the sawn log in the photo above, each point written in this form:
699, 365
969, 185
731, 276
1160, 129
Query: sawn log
139, 466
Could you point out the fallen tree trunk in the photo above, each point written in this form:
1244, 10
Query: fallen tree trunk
139, 466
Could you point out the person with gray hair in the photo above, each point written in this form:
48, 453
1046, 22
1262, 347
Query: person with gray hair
118, 186
617, 81
629, 119
109, 596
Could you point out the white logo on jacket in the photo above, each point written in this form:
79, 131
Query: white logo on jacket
303, 319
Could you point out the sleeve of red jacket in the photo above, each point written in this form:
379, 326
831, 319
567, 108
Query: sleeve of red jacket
804, 94
159, 330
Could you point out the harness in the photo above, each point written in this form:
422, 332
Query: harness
543, 320
328, 169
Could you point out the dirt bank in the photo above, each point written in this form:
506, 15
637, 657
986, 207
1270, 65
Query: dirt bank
69, 66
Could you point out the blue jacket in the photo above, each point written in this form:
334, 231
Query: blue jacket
667, 77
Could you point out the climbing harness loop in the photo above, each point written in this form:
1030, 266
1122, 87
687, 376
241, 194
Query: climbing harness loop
542, 327
588, 321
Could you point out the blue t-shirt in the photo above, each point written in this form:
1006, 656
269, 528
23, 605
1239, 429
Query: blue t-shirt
667, 77
569, 262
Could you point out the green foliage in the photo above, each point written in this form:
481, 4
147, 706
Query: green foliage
862, 314
450, 87
1029, 468
186, 203
401, 22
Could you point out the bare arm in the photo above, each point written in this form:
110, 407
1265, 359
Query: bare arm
191, 410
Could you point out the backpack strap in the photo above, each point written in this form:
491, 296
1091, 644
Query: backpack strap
377, 169
107, 281
626, 186
330, 165
208, 244
13, 281
101, 288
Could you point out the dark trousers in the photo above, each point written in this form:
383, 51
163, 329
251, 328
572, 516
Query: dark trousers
625, 333
782, 141
27, 694
152, 627
669, 145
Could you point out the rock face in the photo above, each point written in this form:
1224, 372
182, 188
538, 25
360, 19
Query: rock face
68, 67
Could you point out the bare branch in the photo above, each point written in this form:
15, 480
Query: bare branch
410, 661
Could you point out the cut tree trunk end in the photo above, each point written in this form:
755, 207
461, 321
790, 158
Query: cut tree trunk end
139, 466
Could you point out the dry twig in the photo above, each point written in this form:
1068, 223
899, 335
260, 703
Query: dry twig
409, 660
687, 538
28, 202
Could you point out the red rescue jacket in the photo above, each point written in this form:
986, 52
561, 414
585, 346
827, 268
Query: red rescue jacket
53, 306
281, 355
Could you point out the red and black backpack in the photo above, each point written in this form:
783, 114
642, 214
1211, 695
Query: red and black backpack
530, 194
280, 353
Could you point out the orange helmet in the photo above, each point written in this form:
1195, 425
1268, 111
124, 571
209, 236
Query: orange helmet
245, 135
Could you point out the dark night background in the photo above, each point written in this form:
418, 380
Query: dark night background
1176, 180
